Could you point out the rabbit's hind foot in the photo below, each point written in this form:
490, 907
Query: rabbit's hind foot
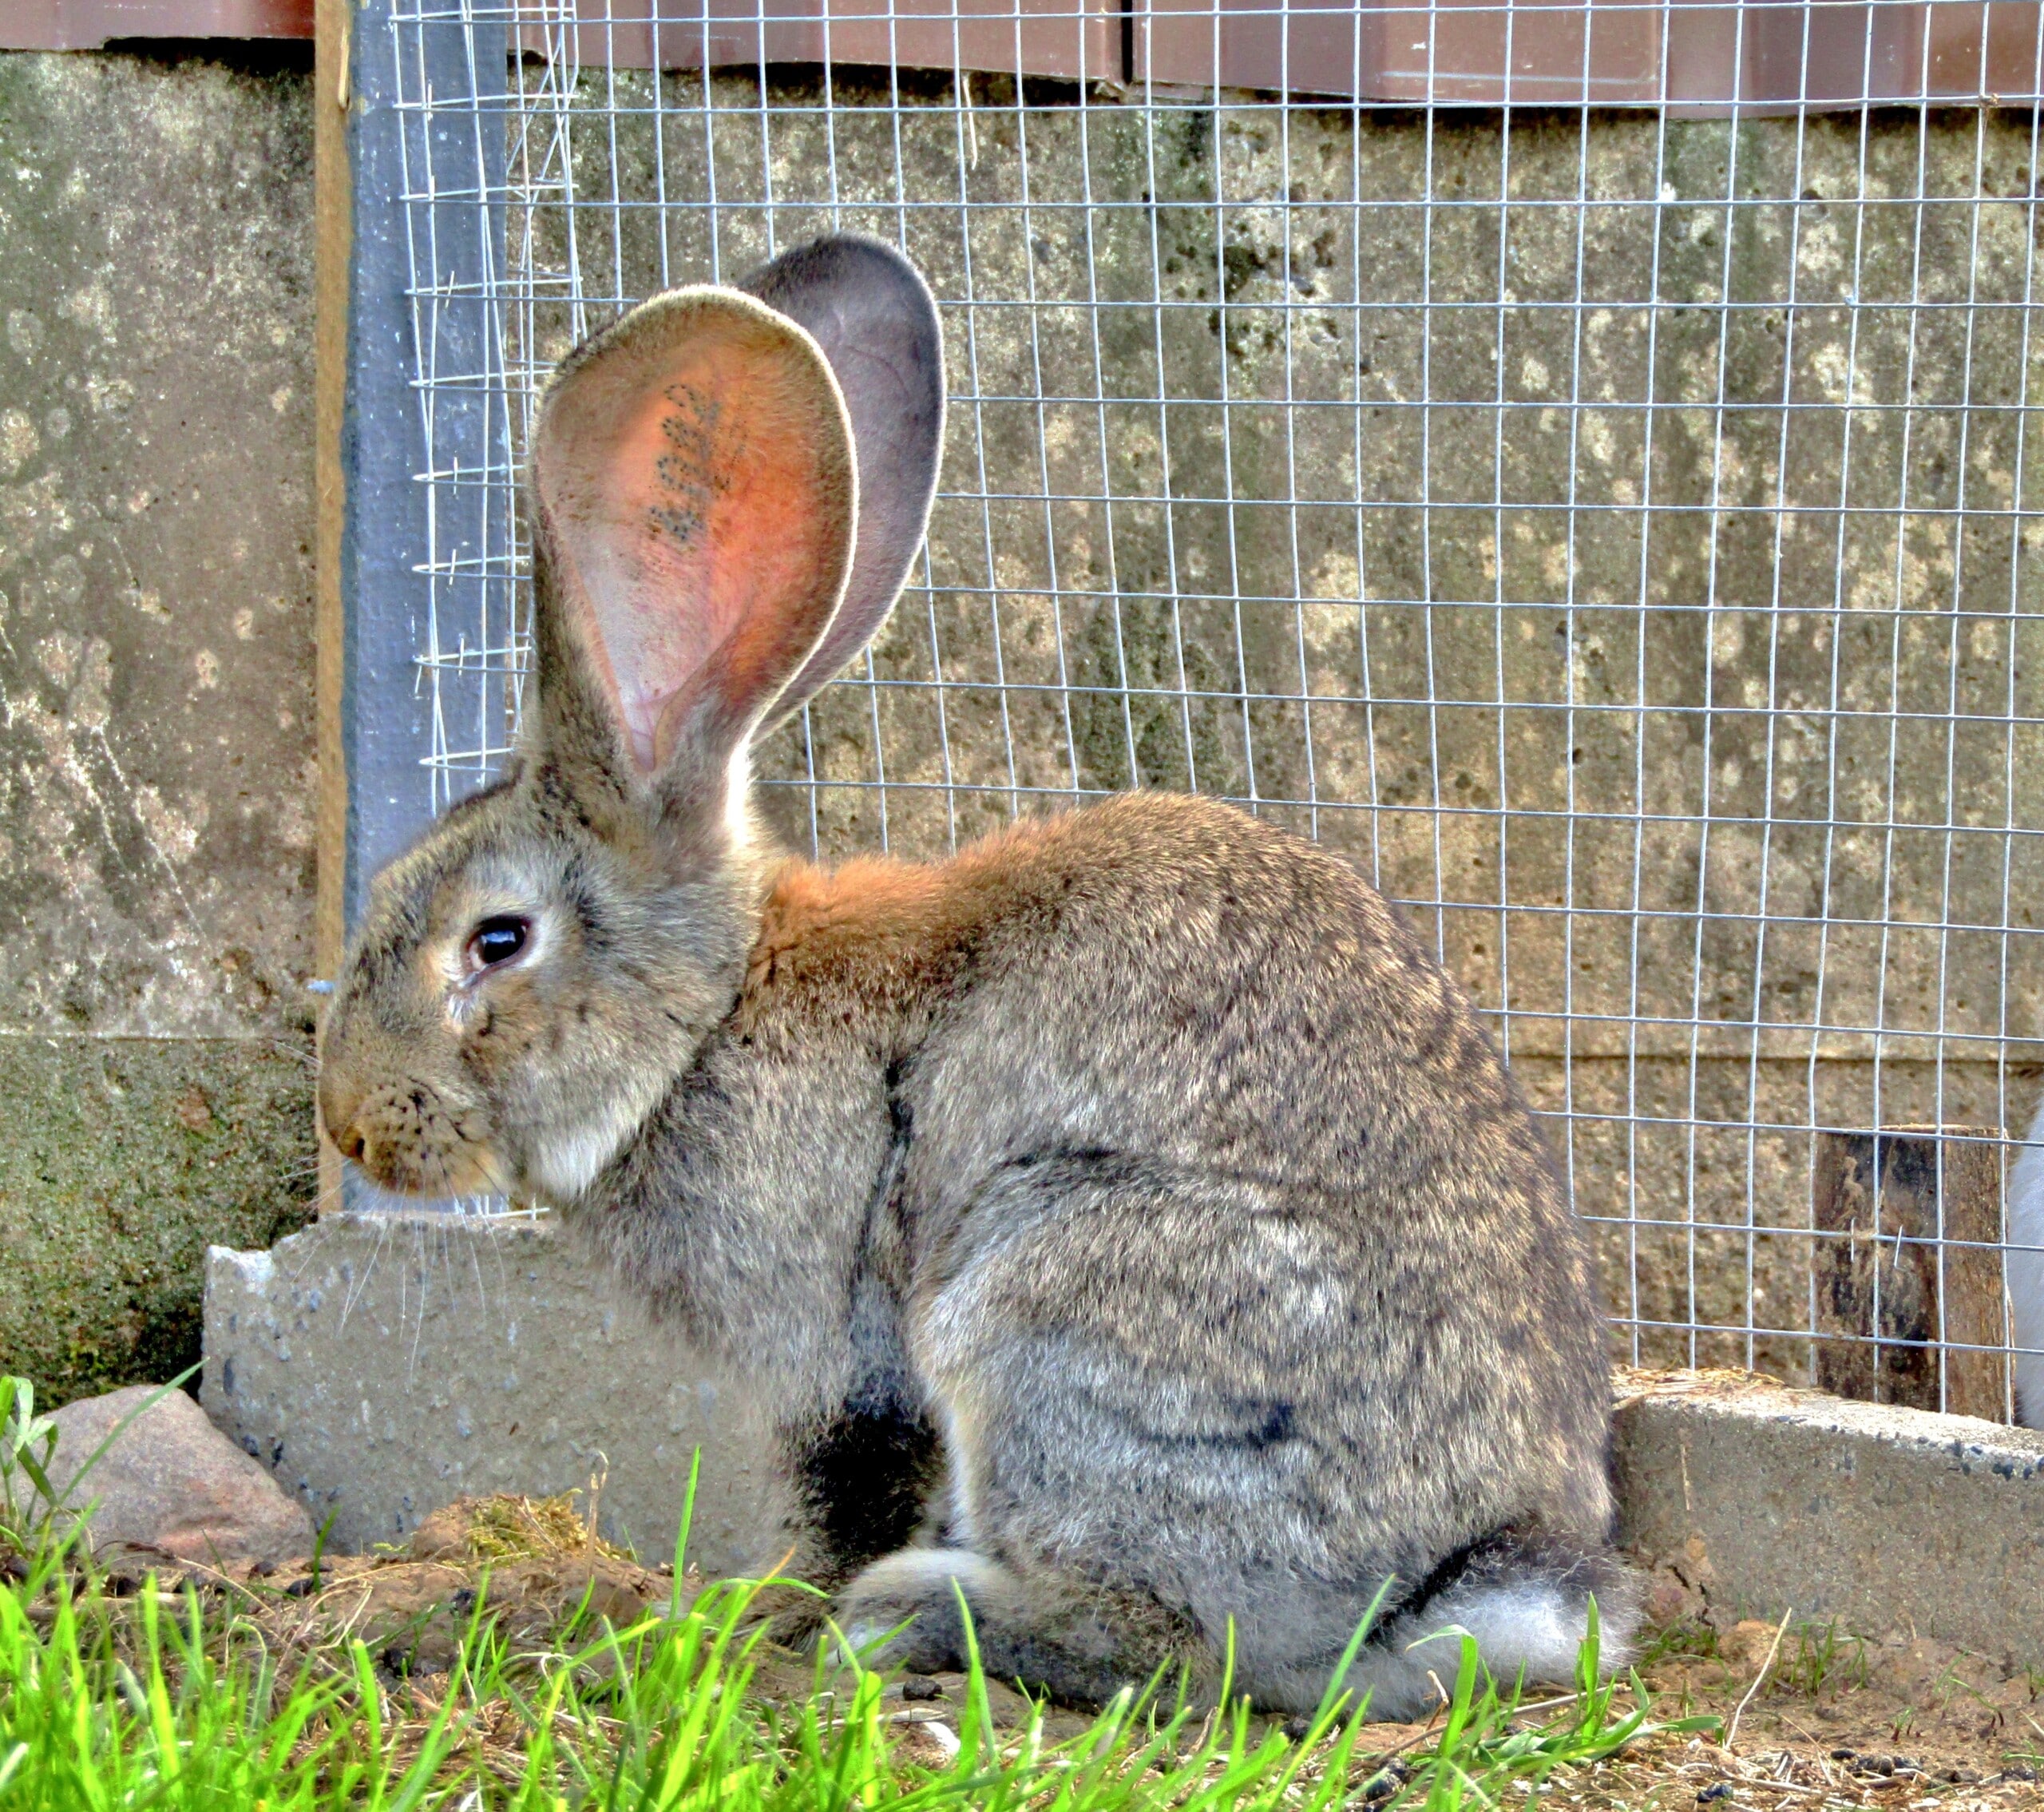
1082, 1647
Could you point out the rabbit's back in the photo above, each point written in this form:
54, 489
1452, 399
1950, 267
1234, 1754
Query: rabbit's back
1198, 1140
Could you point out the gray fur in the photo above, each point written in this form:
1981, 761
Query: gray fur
1139, 1157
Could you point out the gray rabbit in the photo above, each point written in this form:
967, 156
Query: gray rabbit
1134, 1224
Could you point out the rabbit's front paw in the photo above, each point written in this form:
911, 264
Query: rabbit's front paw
904, 1611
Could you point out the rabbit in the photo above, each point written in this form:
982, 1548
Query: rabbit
1135, 1229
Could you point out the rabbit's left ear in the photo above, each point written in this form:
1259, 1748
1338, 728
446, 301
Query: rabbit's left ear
865, 306
696, 511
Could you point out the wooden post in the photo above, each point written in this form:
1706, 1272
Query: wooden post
333, 250
1894, 1291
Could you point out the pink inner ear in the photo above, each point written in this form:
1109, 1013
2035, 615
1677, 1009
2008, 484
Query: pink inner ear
696, 475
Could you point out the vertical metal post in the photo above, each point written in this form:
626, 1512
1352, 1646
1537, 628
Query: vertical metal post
411, 147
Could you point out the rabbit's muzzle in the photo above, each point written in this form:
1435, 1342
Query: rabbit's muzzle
409, 1138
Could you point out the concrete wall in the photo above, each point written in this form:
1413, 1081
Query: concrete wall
156, 693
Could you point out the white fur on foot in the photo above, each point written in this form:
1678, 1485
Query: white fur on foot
911, 1584
1531, 1630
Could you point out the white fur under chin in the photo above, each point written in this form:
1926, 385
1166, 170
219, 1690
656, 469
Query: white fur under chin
2023, 1264
1532, 1631
569, 1162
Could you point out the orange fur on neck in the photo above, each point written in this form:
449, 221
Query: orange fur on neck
846, 934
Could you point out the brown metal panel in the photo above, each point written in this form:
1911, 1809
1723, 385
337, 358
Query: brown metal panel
1829, 55
1702, 56
1481, 52
2004, 67
1763, 56
1311, 47
1538, 51
1072, 38
1079, 39
85, 25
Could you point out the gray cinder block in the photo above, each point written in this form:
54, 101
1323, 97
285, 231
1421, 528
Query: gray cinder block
382, 1366
1761, 1499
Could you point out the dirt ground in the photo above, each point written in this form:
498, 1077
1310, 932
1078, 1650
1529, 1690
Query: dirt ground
1834, 1723
1812, 1719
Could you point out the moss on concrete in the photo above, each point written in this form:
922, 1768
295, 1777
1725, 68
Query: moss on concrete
122, 1160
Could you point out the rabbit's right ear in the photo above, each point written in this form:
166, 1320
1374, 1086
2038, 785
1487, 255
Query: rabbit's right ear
695, 507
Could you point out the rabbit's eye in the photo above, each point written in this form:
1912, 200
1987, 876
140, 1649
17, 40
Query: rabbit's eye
496, 941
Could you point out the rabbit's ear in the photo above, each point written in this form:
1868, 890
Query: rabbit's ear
696, 509
872, 316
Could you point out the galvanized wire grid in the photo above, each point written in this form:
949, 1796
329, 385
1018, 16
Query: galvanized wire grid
1608, 528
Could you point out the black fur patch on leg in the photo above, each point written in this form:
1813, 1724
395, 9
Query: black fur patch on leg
866, 1479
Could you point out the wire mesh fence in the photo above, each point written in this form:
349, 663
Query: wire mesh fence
1609, 525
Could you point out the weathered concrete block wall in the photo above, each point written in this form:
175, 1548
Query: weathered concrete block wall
156, 695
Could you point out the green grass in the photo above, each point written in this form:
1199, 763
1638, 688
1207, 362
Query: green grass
214, 1699
1823, 1657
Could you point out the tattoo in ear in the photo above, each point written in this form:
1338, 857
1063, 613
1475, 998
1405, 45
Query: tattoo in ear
689, 471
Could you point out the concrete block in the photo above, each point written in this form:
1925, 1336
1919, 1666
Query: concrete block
382, 1366
1757, 1499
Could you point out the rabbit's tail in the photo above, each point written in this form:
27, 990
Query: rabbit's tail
1526, 1600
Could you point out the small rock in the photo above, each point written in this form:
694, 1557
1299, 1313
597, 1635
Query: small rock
933, 1745
1724, 1790
171, 1485
1386, 1780
920, 1686
1670, 1599
1908, 1667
